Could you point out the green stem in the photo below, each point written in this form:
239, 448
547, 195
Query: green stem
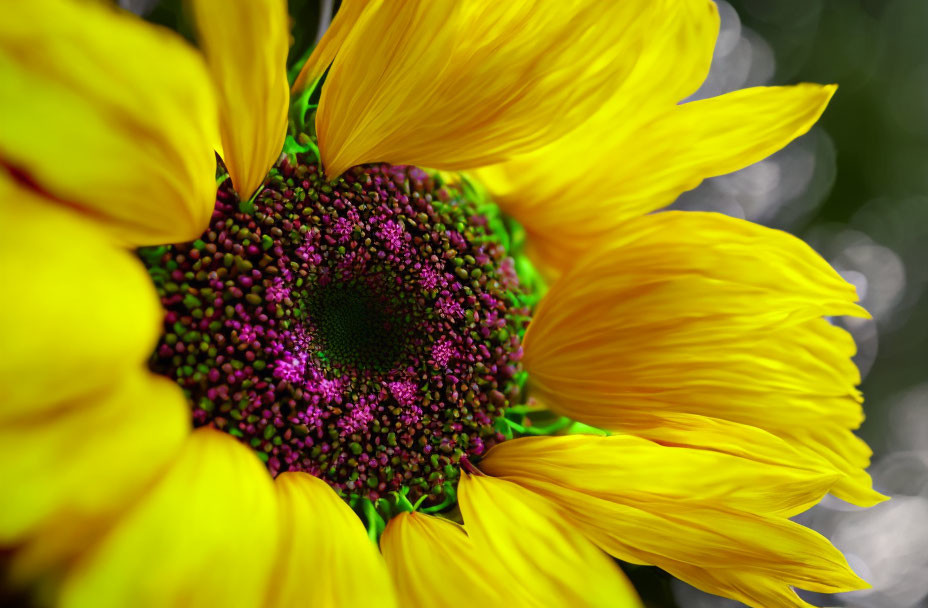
375, 523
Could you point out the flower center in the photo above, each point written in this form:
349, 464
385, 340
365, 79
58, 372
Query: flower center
364, 330
357, 327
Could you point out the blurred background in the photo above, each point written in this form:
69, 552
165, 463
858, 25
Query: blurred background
856, 189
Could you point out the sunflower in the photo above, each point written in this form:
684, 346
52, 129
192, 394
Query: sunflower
417, 337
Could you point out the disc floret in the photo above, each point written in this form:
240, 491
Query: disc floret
364, 330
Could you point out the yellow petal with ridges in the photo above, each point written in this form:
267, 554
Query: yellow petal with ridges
702, 314
77, 313
246, 45
547, 560
832, 448
710, 539
68, 475
724, 436
640, 472
577, 192
115, 117
847, 453
202, 536
811, 450
452, 85
325, 556
714, 547
331, 42
675, 58
751, 589
431, 557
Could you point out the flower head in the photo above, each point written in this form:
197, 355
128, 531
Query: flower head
502, 378
354, 351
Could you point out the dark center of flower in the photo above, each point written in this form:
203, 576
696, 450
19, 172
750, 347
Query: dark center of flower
364, 330
359, 327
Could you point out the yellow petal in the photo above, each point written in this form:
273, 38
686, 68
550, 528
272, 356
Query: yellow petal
246, 44
720, 135
675, 58
202, 536
331, 42
619, 165
548, 561
77, 313
831, 445
115, 117
829, 448
452, 85
707, 541
637, 471
430, 557
66, 476
724, 436
752, 589
325, 557
702, 314
702, 546
847, 453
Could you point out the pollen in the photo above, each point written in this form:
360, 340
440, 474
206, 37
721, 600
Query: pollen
365, 330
